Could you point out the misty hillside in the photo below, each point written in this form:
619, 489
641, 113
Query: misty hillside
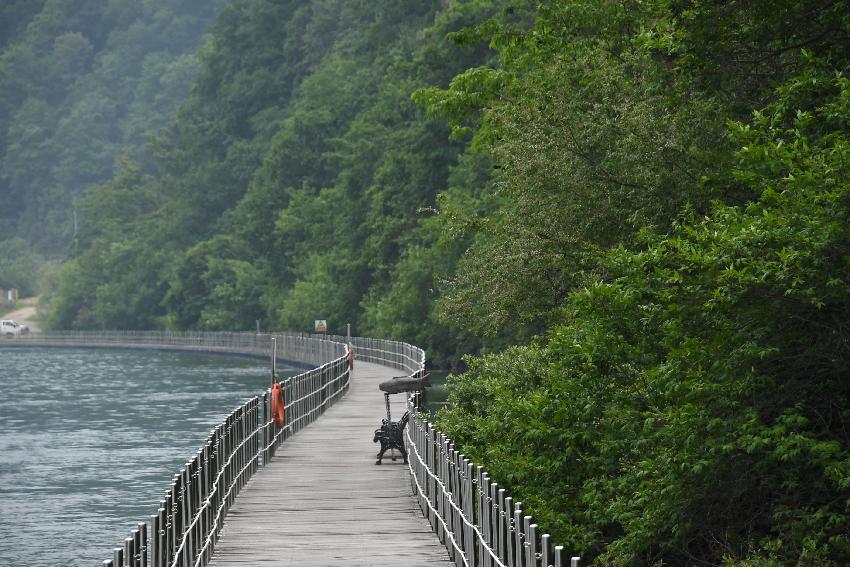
83, 84
294, 184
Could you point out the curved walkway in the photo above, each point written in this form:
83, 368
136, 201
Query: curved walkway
322, 500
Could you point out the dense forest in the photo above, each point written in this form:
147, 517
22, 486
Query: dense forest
632, 217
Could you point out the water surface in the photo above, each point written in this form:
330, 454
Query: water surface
90, 439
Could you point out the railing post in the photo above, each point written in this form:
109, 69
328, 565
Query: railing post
518, 535
156, 538
457, 519
143, 547
137, 548
186, 513
168, 526
502, 525
439, 446
200, 496
509, 538
532, 544
483, 516
469, 539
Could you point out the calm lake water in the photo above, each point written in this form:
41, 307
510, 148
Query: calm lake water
89, 442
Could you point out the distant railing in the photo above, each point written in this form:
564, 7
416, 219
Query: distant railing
294, 347
396, 354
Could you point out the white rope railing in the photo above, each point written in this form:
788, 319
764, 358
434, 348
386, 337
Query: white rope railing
478, 523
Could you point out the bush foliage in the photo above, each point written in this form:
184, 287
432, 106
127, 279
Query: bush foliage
690, 406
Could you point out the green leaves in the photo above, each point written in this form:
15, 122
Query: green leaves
19, 266
467, 96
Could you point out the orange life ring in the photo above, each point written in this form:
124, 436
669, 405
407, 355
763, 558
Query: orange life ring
278, 405
350, 358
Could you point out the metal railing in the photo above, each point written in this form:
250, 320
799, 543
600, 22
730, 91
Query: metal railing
477, 521
187, 525
396, 354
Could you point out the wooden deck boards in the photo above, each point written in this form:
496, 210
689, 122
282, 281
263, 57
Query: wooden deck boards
322, 500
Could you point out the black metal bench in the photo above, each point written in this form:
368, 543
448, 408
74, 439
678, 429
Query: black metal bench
390, 436
391, 433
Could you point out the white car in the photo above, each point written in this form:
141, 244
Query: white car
9, 328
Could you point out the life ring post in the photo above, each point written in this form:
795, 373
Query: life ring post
278, 404
274, 360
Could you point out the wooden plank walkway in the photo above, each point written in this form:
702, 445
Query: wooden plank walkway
322, 500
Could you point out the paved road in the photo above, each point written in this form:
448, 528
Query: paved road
26, 314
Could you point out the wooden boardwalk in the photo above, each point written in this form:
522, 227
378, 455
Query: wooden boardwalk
322, 500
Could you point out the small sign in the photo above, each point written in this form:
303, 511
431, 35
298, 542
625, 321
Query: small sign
320, 326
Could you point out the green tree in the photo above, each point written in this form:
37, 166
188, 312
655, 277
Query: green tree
19, 266
691, 404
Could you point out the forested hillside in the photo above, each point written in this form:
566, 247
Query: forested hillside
298, 182
83, 84
639, 210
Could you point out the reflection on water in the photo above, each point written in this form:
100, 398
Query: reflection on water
437, 397
89, 441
